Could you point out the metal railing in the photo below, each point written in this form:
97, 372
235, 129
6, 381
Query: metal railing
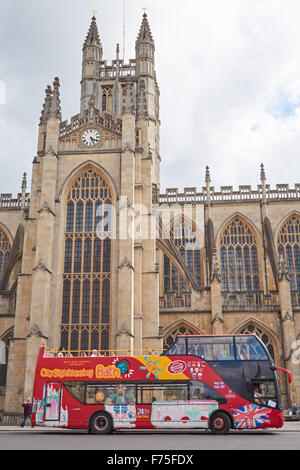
48, 352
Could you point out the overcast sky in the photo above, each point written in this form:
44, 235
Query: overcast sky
228, 71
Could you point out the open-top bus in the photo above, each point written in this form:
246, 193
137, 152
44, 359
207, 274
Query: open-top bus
215, 382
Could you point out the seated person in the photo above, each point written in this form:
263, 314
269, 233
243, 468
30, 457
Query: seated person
294, 409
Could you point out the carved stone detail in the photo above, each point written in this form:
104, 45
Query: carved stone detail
41, 266
124, 331
45, 208
125, 263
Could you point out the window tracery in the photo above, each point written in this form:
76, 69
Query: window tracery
87, 264
4, 251
107, 99
239, 258
187, 243
289, 242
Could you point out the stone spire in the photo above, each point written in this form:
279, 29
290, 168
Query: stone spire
263, 189
144, 50
92, 37
145, 32
91, 59
23, 189
24, 182
55, 109
46, 106
262, 173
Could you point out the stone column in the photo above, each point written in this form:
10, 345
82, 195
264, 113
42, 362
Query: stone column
216, 297
125, 321
288, 327
42, 270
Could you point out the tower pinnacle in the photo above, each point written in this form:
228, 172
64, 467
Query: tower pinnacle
144, 49
145, 32
92, 37
91, 58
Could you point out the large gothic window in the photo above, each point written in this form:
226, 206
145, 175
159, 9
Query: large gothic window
184, 237
289, 241
4, 251
87, 264
239, 258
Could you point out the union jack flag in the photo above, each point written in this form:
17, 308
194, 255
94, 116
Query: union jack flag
250, 416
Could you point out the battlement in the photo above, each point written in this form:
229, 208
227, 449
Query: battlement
7, 202
105, 120
226, 194
117, 68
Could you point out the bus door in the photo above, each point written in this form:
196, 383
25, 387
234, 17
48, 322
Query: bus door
52, 401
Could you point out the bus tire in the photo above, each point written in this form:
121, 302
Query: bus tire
101, 423
219, 423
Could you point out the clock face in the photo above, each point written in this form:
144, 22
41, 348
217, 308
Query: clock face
90, 137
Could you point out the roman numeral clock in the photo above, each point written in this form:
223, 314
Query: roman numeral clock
90, 137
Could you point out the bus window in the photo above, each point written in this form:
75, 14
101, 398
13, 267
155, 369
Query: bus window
249, 348
178, 348
76, 389
264, 392
202, 391
211, 348
116, 394
148, 393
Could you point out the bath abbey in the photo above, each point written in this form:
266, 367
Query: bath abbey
93, 255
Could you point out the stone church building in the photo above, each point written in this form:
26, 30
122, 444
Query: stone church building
95, 256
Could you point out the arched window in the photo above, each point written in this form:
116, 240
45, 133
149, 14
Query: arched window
4, 251
187, 243
107, 100
87, 264
180, 329
253, 329
239, 258
185, 239
289, 241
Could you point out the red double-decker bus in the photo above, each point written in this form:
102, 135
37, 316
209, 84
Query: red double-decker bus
211, 382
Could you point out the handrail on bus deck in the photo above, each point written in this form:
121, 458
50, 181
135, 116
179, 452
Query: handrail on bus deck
102, 353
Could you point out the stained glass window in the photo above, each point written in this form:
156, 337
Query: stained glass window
289, 241
239, 258
87, 264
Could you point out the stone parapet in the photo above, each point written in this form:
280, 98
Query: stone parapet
227, 194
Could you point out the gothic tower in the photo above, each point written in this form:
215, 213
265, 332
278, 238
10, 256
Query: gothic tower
88, 277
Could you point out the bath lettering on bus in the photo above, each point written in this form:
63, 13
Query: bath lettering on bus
100, 372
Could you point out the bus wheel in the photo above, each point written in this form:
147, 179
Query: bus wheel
101, 423
219, 423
